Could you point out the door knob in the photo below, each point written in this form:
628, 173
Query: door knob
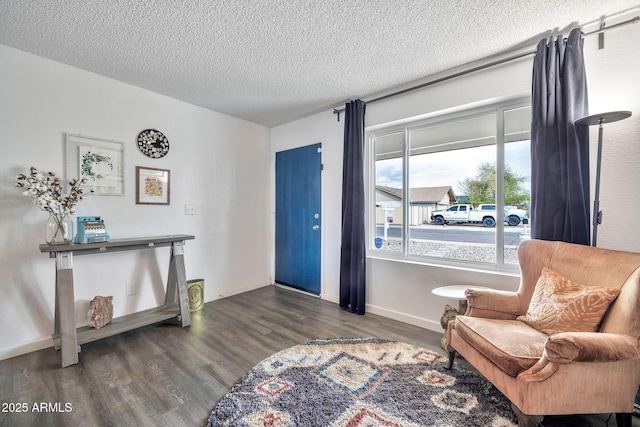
316, 228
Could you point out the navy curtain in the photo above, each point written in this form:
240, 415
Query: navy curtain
353, 250
560, 150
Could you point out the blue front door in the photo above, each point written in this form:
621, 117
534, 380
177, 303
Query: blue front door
298, 218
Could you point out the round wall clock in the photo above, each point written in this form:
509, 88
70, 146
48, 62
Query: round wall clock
152, 143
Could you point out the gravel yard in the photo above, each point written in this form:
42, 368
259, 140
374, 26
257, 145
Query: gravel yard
451, 250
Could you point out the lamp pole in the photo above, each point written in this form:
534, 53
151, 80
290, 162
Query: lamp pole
600, 120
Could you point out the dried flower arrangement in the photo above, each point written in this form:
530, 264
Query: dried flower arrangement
46, 192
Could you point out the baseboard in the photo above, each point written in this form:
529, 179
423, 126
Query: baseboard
331, 298
406, 318
224, 293
392, 314
39, 344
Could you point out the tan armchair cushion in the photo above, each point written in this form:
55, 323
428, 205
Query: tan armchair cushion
511, 345
560, 305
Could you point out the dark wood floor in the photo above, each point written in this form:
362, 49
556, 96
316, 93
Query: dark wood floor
164, 375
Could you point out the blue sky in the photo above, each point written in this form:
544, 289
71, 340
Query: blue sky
449, 167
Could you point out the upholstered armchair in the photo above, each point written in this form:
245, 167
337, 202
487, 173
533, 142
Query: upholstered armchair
567, 341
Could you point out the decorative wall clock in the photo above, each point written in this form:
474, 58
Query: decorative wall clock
152, 143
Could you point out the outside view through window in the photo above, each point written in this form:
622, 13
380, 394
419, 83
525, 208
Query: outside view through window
468, 185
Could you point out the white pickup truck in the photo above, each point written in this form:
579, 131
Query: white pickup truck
485, 214
514, 216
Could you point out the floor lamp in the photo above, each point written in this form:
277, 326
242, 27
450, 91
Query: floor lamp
600, 120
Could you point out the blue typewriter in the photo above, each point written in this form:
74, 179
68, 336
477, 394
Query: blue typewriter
91, 229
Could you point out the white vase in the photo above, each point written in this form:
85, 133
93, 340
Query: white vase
58, 230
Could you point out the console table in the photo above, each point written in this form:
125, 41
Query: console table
67, 338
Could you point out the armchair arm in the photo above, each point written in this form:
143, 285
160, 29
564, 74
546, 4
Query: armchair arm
567, 347
493, 304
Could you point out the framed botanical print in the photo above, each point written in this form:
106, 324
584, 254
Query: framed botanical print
99, 161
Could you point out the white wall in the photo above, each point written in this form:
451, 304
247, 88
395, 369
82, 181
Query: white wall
218, 163
402, 290
613, 76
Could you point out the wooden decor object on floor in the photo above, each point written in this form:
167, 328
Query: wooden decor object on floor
100, 311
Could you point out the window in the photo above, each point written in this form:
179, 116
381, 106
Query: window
454, 188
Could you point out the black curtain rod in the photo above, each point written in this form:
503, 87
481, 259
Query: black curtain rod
601, 30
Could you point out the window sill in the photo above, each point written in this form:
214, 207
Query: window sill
510, 270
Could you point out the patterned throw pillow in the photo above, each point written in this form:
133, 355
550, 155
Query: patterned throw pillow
560, 305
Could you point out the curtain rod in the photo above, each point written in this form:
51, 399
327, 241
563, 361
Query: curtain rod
599, 31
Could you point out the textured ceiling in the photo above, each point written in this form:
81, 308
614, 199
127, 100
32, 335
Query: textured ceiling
273, 61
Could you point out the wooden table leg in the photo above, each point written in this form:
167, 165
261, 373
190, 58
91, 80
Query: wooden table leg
65, 309
172, 281
178, 281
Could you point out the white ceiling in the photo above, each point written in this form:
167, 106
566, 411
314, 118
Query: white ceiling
273, 61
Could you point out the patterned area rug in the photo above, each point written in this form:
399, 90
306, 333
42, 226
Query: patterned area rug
361, 382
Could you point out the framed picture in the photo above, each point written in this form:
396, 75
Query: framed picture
98, 160
152, 186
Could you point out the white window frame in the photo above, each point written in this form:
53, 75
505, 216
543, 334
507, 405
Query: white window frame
498, 108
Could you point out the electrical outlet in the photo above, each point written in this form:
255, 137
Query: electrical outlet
189, 209
131, 289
